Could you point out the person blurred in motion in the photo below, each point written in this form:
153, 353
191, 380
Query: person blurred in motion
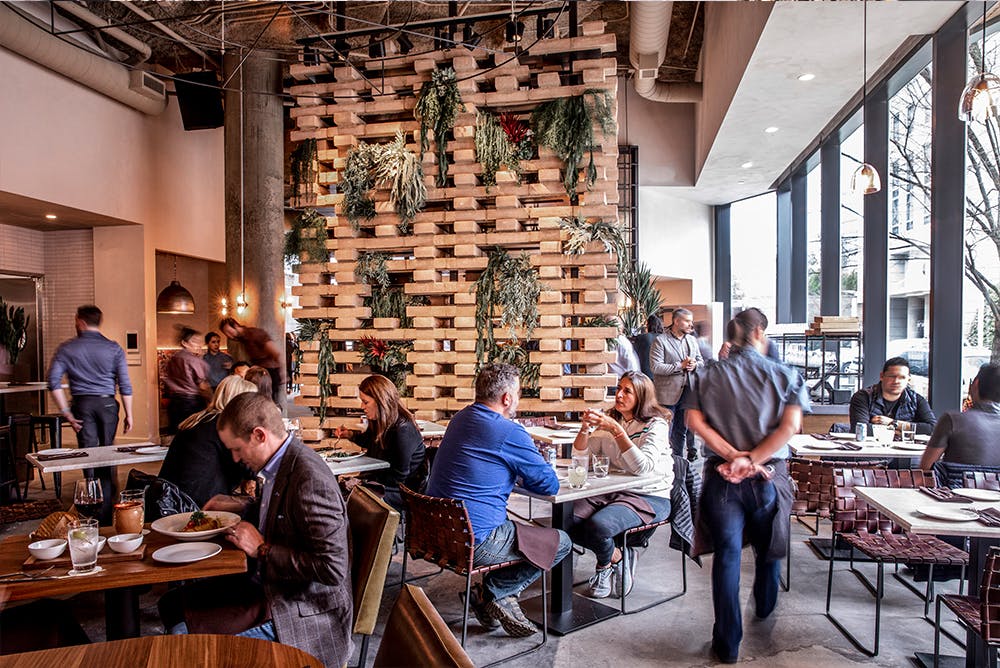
260, 348
186, 379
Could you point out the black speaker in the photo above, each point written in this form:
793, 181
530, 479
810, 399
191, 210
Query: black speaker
200, 100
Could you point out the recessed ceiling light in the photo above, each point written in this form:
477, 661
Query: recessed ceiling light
51, 216
808, 76
741, 181
747, 165
771, 129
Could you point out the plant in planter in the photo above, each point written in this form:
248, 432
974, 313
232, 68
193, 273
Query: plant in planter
566, 126
386, 300
502, 140
316, 330
312, 244
641, 298
510, 285
378, 165
387, 358
438, 104
303, 167
582, 232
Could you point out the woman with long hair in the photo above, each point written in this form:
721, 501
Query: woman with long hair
198, 461
392, 435
745, 408
635, 437
260, 377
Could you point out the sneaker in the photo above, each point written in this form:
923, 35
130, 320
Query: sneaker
601, 581
627, 577
507, 611
480, 608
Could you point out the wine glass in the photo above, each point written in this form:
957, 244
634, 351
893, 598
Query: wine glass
88, 497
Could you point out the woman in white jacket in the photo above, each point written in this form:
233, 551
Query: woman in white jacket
634, 435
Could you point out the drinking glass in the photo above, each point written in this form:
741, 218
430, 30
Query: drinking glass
909, 434
88, 497
601, 466
130, 511
578, 471
82, 537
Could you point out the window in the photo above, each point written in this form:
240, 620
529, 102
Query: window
754, 239
852, 220
814, 233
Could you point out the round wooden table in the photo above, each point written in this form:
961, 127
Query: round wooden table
175, 650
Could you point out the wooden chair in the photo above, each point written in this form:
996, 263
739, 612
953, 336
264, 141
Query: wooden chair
982, 480
979, 614
416, 635
439, 531
373, 526
882, 540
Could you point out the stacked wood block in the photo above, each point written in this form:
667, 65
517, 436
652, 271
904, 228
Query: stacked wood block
834, 324
339, 107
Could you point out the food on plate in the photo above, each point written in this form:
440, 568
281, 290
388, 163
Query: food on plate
331, 453
201, 522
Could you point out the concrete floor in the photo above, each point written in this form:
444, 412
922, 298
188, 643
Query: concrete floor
676, 633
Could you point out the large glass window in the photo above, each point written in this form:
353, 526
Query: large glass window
754, 238
814, 233
852, 223
909, 184
981, 291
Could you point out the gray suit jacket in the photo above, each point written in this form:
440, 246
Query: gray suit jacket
306, 575
665, 357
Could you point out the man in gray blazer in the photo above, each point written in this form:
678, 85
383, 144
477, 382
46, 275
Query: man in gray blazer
296, 536
674, 356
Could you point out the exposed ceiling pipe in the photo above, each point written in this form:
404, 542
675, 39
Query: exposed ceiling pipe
117, 34
21, 35
650, 25
167, 31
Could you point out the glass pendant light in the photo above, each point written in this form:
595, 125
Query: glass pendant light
982, 94
865, 180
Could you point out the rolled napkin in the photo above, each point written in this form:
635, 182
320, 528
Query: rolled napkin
944, 494
52, 456
849, 446
989, 516
130, 448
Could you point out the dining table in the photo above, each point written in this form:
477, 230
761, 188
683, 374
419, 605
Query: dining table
7, 388
904, 507
61, 460
202, 650
119, 580
569, 611
843, 446
356, 464
560, 435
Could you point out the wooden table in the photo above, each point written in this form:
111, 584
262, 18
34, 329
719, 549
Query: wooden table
119, 580
99, 457
163, 651
901, 505
568, 611
805, 445
562, 438
356, 465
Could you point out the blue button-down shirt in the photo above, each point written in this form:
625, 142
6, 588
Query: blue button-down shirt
94, 365
265, 478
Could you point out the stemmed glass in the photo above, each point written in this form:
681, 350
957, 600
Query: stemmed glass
88, 497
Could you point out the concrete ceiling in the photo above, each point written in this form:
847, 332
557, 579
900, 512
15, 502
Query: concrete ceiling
822, 38
22, 211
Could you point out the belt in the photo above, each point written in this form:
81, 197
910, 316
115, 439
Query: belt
97, 396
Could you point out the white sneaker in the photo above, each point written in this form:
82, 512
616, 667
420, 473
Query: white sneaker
624, 577
600, 581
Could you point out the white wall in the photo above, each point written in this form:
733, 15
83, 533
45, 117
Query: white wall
675, 238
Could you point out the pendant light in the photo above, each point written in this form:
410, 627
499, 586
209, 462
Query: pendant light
175, 298
982, 93
866, 180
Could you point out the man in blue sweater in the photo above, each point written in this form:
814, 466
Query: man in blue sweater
481, 455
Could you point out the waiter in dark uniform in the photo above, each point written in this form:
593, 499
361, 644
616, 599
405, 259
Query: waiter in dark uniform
95, 367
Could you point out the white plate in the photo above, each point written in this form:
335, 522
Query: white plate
922, 438
152, 450
913, 447
333, 460
186, 553
949, 514
172, 525
977, 494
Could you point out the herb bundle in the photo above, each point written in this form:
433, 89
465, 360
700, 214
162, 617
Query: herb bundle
501, 140
312, 245
386, 300
582, 232
510, 284
374, 165
303, 168
512, 352
438, 104
387, 358
316, 330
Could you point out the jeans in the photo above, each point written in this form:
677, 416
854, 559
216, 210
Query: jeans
263, 632
498, 547
678, 430
599, 532
728, 510
99, 416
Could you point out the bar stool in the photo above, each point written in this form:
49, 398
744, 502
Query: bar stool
19, 427
53, 422
8, 474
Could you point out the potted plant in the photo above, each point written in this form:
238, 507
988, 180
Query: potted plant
13, 335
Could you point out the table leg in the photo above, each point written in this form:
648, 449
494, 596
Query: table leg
568, 612
121, 613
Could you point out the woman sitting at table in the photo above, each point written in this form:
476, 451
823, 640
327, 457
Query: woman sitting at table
392, 435
198, 462
260, 377
634, 435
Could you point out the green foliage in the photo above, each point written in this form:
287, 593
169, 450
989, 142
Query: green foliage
437, 107
386, 301
389, 165
500, 141
512, 352
582, 232
371, 269
566, 126
13, 329
641, 298
311, 245
356, 183
602, 321
850, 281
387, 358
303, 168
511, 285
315, 329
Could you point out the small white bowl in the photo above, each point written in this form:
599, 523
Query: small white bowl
47, 549
101, 542
125, 542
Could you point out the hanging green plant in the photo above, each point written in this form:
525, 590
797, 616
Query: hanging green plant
356, 183
566, 126
512, 352
438, 104
582, 232
386, 300
387, 358
371, 269
511, 285
303, 168
642, 299
312, 245
313, 329
389, 165
501, 141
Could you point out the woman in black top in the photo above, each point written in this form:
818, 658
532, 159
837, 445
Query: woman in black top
392, 435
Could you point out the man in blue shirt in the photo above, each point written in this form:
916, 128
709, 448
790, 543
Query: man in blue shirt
95, 367
219, 363
481, 454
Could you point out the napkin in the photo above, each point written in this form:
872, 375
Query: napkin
989, 516
130, 448
849, 446
69, 454
943, 494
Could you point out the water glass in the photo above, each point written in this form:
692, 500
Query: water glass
601, 465
909, 433
578, 471
82, 537
883, 433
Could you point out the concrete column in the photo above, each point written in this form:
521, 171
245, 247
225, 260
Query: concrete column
254, 262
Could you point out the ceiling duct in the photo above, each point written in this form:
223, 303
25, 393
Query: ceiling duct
142, 49
650, 25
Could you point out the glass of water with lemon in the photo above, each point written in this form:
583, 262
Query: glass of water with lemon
82, 537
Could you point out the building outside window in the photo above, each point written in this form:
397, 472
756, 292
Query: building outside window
754, 239
852, 221
814, 233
